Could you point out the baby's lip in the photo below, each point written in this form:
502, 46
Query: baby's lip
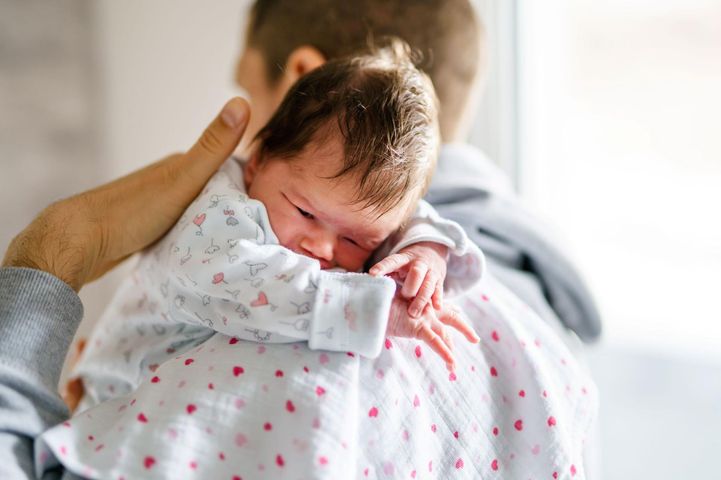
324, 264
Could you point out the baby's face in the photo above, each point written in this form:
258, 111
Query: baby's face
314, 216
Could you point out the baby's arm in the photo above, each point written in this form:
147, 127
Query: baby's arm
228, 272
429, 255
419, 256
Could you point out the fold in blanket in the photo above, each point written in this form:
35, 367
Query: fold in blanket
521, 250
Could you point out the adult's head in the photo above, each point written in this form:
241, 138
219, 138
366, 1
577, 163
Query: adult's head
286, 39
345, 158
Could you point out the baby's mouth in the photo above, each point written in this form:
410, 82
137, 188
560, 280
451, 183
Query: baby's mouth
324, 264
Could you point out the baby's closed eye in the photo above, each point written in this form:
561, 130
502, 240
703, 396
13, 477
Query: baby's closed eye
304, 213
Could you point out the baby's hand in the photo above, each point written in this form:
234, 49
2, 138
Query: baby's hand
429, 327
422, 267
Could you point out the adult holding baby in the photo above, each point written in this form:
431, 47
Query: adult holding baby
101, 256
70, 244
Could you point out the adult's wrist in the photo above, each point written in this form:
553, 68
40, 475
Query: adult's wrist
55, 243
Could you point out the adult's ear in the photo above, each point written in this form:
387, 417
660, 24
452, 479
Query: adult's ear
301, 61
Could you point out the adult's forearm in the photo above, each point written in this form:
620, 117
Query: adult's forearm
39, 315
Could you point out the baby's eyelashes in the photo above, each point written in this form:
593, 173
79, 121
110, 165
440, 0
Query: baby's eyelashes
304, 213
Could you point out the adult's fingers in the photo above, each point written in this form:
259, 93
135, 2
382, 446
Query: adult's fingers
72, 393
452, 318
389, 264
218, 141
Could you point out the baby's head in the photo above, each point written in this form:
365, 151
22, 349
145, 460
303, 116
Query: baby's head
347, 155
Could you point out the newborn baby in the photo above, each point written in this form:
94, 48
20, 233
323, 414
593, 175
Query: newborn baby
268, 252
187, 358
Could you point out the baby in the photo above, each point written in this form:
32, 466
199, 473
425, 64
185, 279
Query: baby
257, 257
270, 250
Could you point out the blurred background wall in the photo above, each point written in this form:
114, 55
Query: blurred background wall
605, 114
50, 107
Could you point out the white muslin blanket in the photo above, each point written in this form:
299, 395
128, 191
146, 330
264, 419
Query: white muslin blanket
187, 391
518, 406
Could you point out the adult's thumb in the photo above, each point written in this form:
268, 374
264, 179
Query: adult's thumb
220, 139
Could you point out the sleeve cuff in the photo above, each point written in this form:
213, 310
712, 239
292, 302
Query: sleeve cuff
464, 271
40, 314
423, 232
351, 313
466, 263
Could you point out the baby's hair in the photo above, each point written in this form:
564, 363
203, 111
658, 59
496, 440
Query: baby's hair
385, 109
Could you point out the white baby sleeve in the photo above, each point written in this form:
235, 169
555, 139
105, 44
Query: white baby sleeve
225, 274
466, 264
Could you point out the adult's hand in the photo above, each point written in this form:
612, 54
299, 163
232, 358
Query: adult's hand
82, 237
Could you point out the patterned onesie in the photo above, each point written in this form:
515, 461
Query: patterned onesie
221, 269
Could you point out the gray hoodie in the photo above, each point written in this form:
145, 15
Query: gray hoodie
521, 250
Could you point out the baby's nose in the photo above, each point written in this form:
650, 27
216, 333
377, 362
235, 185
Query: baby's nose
320, 244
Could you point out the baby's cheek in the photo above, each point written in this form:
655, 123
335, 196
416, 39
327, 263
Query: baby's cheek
284, 228
351, 258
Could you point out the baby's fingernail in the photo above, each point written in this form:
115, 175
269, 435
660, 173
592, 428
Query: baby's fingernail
413, 312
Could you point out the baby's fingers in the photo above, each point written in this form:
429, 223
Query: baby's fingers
452, 318
423, 297
389, 264
438, 296
437, 345
417, 272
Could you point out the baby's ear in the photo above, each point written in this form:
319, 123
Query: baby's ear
251, 168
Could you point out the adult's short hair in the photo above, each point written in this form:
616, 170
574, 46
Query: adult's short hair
447, 33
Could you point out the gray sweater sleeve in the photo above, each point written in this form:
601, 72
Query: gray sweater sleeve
39, 315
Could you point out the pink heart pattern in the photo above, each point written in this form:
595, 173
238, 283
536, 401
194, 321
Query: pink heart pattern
261, 301
199, 219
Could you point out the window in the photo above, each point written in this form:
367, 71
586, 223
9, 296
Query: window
620, 147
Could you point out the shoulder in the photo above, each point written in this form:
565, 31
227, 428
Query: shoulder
232, 168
